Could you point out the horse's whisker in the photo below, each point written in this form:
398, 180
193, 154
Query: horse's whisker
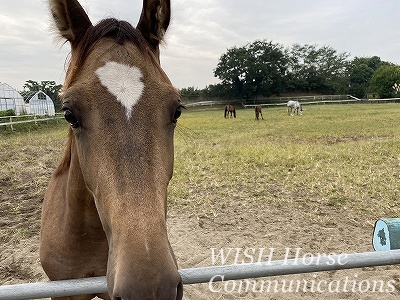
186, 133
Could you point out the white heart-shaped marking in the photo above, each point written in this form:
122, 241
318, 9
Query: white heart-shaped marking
124, 82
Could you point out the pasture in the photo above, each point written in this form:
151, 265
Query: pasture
316, 182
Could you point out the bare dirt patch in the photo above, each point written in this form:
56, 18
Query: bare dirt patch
238, 223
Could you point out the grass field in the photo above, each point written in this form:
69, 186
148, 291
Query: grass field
340, 155
345, 156
316, 181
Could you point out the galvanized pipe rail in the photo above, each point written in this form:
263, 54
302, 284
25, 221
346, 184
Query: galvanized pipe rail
97, 285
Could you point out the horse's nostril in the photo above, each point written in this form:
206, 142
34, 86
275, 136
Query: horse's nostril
179, 291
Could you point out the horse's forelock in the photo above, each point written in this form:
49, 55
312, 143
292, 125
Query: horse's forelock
120, 31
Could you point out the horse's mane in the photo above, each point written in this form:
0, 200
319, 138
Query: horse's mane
121, 32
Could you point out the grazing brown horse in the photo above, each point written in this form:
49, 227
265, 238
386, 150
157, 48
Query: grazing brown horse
258, 112
104, 212
229, 110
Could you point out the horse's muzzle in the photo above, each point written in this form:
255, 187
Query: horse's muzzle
167, 288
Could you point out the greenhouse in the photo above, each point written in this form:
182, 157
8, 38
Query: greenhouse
10, 99
38, 103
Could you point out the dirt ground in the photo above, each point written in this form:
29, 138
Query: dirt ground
235, 223
197, 226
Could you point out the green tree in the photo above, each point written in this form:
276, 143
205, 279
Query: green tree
190, 93
359, 77
218, 90
373, 62
314, 69
255, 69
31, 85
360, 73
385, 81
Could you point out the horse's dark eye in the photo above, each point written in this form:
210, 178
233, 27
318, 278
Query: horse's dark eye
177, 113
71, 119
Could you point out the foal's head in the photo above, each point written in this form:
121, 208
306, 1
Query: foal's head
122, 109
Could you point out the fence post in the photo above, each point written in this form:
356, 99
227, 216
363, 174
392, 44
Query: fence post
386, 234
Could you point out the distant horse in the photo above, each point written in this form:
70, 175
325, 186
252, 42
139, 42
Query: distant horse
104, 212
229, 110
294, 106
258, 112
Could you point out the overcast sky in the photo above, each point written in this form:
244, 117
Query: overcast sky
201, 31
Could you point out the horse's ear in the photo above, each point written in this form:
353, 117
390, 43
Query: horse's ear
154, 21
70, 19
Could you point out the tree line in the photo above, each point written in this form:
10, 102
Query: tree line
264, 68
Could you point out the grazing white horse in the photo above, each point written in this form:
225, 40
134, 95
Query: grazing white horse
294, 106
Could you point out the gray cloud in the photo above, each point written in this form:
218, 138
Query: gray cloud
201, 31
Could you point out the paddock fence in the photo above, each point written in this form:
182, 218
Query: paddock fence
325, 102
211, 274
304, 100
11, 121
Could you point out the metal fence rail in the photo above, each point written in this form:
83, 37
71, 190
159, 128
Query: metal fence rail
97, 285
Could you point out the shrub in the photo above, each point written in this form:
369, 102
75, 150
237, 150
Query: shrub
6, 113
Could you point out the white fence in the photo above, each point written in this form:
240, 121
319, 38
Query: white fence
210, 274
14, 120
306, 100
343, 101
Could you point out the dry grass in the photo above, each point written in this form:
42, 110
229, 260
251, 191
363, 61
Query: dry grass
334, 160
28, 159
344, 156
